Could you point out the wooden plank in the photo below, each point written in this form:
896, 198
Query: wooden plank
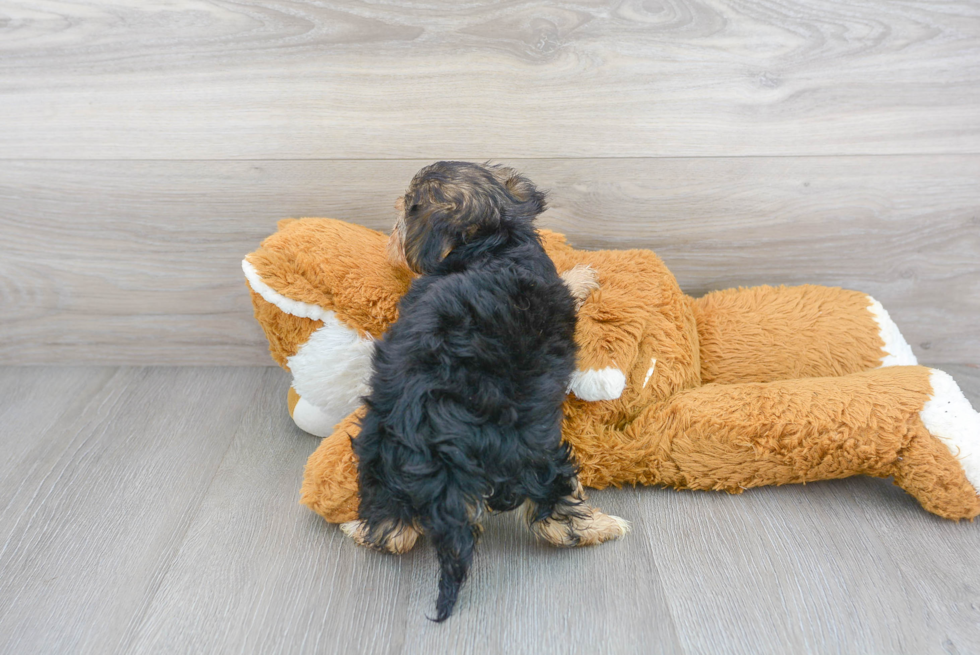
934, 560
529, 598
193, 79
851, 566
34, 401
138, 262
778, 570
163, 518
259, 573
107, 504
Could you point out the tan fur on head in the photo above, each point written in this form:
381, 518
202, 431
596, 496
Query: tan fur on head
452, 204
395, 249
517, 184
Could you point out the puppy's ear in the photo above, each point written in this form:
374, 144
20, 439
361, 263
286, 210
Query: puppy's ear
521, 189
458, 216
428, 240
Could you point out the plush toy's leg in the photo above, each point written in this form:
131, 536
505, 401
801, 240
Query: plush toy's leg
908, 422
763, 334
581, 281
912, 423
330, 479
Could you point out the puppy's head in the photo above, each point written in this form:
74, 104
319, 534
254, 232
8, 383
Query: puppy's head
449, 205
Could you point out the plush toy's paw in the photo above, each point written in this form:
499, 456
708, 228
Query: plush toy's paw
941, 464
308, 417
950, 418
397, 539
581, 281
592, 385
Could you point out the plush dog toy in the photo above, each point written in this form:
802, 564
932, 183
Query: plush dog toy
738, 389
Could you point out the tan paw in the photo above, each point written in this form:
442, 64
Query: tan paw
603, 527
397, 541
593, 527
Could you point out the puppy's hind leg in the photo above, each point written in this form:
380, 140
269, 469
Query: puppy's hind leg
572, 522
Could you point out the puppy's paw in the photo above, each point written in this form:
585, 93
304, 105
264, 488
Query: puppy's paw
357, 531
603, 527
588, 528
581, 281
396, 540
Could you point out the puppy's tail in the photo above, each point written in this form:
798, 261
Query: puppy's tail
455, 538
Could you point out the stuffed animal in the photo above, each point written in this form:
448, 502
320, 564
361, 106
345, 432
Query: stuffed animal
737, 389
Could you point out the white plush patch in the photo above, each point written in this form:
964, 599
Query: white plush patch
592, 385
310, 419
288, 305
331, 371
950, 418
653, 364
897, 350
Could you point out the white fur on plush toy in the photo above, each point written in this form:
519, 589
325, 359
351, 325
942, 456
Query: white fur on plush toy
332, 369
899, 352
592, 385
270, 295
949, 416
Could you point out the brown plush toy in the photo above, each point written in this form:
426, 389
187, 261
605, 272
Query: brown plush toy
738, 389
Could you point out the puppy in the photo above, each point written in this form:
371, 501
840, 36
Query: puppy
465, 410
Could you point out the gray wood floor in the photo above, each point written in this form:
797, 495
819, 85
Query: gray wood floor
155, 510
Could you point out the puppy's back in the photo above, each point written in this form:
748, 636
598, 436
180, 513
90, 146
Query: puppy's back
466, 407
504, 326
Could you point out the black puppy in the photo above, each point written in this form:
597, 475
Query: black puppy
465, 410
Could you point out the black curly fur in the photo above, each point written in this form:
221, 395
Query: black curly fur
465, 409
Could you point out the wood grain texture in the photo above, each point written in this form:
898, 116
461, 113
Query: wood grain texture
99, 561
139, 262
260, 573
105, 498
258, 79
